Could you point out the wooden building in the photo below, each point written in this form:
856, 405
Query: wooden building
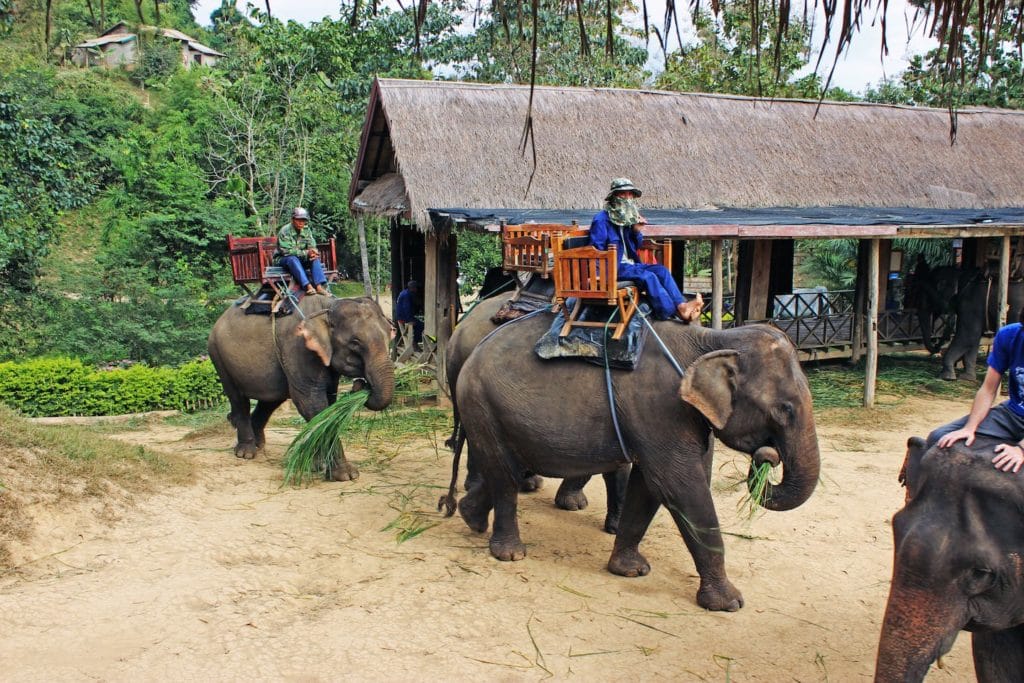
118, 47
435, 155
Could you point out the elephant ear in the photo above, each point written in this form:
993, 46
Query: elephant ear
317, 333
916, 447
709, 384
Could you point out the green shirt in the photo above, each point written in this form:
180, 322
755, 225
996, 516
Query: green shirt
291, 242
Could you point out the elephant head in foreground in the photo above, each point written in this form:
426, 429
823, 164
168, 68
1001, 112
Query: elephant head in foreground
302, 356
958, 564
744, 386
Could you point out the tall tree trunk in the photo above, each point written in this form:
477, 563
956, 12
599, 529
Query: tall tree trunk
103, 15
138, 10
354, 21
268, 8
156, 10
92, 16
49, 13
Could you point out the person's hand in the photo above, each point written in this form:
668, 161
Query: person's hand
949, 439
313, 253
1009, 457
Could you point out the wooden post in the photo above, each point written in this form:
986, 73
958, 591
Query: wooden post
871, 362
364, 255
759, 280
717, 292
859, 295
1004, 281
430, 286
884, 256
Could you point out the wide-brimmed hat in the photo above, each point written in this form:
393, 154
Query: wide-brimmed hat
622, 185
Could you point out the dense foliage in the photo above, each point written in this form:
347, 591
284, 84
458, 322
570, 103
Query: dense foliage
64, 386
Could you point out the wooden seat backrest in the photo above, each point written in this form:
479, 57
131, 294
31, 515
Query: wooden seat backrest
528, 246
585, 272
251, 256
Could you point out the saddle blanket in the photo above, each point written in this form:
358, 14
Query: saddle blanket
591, 343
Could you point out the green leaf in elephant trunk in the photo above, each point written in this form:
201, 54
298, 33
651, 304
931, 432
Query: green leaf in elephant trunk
316, 447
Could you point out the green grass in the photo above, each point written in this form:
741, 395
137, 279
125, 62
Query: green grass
347, 288
316, 448
837, 384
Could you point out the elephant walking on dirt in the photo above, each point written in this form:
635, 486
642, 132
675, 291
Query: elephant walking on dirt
744, 386
973, 296
301, 356
957, 565
474, 327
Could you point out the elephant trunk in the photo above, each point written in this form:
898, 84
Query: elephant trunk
381, 378
927, 323
801, 464
918, 629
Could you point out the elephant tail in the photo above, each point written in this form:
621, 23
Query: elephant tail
456, 442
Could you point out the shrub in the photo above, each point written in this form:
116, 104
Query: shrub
62, 386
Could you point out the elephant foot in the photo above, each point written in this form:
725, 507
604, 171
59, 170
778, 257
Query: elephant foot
246, 450
531, 483
629, 562
719, 597
948, 375
611, 523
474, 513
508, 551
473, 479
342, 471
570, 499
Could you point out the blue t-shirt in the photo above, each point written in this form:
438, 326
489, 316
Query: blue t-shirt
1007, 356
405, 308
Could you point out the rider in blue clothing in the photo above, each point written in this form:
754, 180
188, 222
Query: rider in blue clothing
619, 224
406, 308
1004, 421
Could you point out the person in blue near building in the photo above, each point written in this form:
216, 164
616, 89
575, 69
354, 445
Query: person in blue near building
406, 308
619, 223
1004, 421
296, 247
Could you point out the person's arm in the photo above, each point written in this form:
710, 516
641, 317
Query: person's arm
310, 244
599, 228
983, 401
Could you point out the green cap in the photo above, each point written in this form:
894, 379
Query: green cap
622, 185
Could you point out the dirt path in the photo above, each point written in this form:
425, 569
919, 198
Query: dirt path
236, 578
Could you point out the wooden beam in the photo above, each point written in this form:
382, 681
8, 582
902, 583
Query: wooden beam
1004, 280
871, 362
717, 293
759, 280
884, 254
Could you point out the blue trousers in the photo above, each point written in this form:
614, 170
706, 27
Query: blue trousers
657, 281
297, 267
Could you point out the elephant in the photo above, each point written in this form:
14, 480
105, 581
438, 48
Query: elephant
301, 356
743, 385
958, 544
570, 496
972, 295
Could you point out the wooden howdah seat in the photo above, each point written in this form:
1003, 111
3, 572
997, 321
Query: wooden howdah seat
590, 276
529, 247
252, 262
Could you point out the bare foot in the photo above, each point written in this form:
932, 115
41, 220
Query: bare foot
689, 311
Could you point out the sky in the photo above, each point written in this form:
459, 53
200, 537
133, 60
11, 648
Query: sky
861, 67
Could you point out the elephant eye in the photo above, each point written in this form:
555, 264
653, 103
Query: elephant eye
978, 580
785, 413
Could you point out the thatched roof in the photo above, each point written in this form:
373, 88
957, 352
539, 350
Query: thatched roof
457, 145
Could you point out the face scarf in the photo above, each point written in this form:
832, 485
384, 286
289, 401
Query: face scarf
622, 211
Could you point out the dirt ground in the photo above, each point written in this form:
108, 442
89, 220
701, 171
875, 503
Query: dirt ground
237, 578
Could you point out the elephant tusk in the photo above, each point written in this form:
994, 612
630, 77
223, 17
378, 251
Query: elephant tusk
766, 454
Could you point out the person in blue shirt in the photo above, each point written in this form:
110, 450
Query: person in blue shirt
619, 223
406, 308
1004, 421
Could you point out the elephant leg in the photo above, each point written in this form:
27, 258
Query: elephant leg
615, 484
505, 542
970, 373
693, 511
340, 469
570, 494
999, 655
637, 512
475, 507
530, 482
259, 419
246, 447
